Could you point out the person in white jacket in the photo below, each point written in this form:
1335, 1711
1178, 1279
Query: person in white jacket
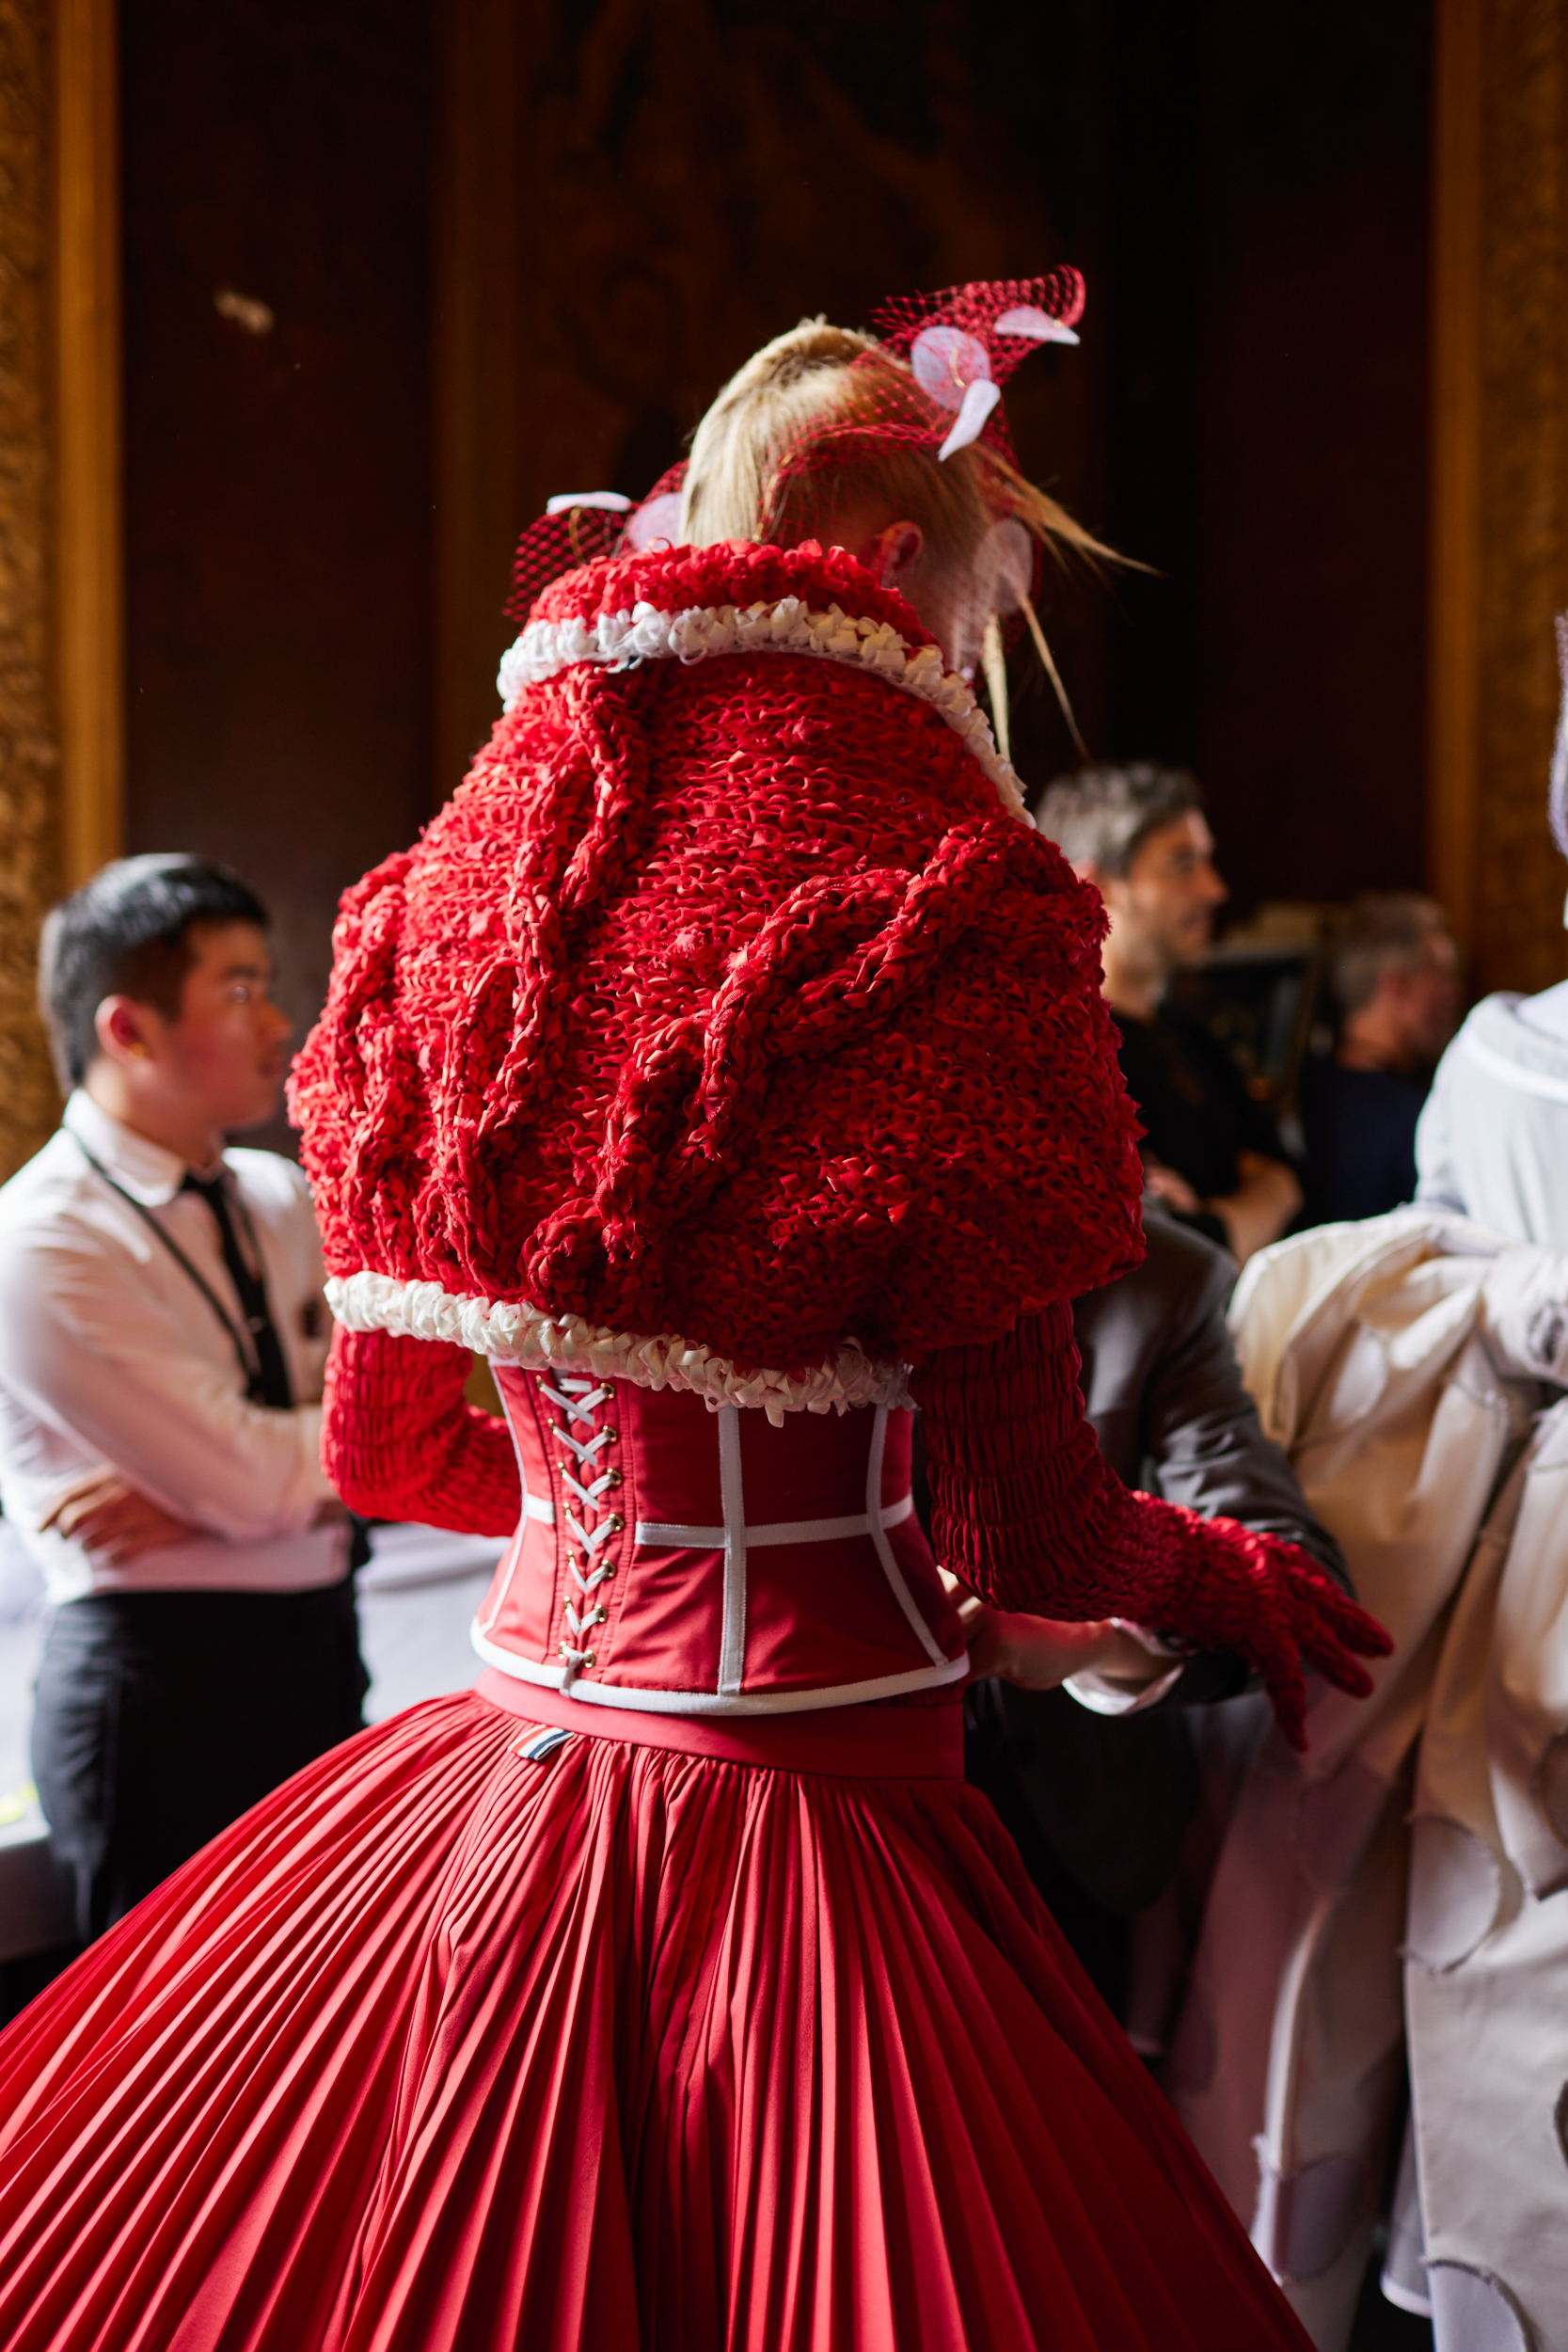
1493, 1139
1405, 1883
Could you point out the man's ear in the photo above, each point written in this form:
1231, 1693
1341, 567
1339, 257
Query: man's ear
122, 1024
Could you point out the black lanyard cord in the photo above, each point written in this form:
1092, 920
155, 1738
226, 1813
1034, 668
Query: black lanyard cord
249, 1366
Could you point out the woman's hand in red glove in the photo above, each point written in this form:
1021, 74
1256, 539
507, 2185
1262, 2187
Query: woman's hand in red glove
1273, 1604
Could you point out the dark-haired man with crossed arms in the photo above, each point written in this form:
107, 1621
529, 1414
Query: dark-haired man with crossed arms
163, 1340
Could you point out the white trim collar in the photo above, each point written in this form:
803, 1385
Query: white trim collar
518, 1334
618, 641
148, 1172
639, 1700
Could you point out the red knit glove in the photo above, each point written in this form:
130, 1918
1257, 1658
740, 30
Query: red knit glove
1026, 1512
398, 1441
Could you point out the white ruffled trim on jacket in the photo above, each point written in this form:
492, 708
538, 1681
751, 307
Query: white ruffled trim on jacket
620, 640
520, 1335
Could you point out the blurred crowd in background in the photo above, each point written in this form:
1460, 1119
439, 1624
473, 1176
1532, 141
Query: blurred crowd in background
1280, 1073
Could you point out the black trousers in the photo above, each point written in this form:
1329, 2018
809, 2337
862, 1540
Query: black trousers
161, 1717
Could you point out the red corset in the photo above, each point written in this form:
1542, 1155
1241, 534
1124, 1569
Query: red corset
690, 1562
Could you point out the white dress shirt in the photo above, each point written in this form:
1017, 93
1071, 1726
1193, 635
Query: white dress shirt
110, 1353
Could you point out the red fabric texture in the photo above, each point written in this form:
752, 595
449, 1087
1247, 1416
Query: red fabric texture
726, 1000
1027, 1513
1025, 1510
442, 2050
399, 1441
816, 1616
884, 1740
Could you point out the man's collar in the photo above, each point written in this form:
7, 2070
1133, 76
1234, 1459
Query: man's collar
148, 1172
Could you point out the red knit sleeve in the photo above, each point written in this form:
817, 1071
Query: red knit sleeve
398, 1441
1027, 1513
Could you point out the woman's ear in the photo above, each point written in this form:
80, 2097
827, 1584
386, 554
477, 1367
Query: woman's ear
898, 549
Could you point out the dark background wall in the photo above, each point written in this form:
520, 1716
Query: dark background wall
1245, 189
1310, 573
277, 482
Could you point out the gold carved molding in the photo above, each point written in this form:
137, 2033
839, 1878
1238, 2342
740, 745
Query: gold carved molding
1499, 518
61, 562
90, 523
29, 745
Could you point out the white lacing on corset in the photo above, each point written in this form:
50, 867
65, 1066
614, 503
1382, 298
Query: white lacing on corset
580, 1401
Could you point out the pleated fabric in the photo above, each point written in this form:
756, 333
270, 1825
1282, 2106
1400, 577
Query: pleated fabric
443, 2050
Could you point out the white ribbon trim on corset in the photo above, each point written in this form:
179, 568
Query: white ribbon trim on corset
620, 640
520, 1335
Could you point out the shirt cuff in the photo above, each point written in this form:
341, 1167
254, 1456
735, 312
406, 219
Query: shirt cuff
1127, 1694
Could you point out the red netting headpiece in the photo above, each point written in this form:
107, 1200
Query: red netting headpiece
963, 343
583, 525
930, 383
959, 346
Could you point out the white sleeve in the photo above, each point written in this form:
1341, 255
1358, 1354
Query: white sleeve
1104, 1696
99, 1364
1437, 1184
1130, 1694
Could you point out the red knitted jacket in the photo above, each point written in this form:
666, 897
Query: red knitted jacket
728, 999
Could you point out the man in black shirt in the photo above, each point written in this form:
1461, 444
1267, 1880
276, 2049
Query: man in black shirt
1210, 1153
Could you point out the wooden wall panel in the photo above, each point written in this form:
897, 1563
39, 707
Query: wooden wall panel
1500, 477
29, 743
276, 196
1310, 285
687, 177
90, 642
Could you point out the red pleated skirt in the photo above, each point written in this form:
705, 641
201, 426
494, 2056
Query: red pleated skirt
440, 2047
